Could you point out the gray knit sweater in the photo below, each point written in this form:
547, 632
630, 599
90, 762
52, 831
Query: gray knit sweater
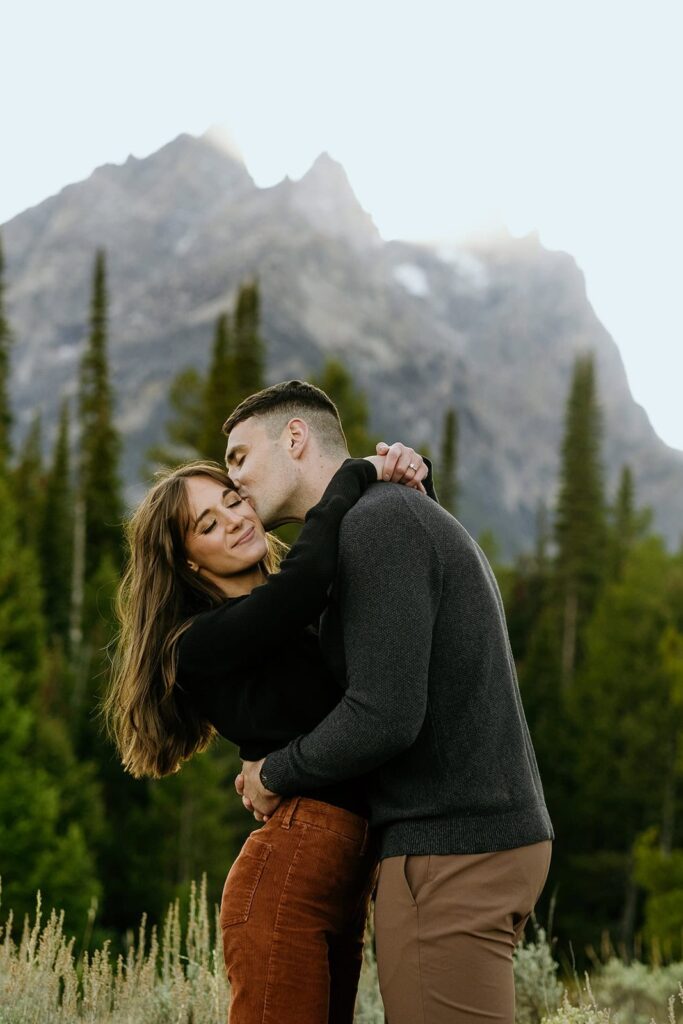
415, 632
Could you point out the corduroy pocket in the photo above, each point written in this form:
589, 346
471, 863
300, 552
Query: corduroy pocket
242, 882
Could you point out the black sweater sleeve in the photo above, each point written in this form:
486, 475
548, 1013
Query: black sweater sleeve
244, 631
428, 482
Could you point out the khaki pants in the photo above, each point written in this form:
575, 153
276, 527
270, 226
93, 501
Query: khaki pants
445, 929
293, 916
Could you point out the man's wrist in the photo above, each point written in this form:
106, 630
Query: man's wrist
263, 776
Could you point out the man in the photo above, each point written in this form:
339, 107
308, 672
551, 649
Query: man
431, 714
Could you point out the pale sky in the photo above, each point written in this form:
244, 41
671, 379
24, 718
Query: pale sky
561, 117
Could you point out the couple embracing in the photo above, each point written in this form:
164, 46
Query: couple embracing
367, 678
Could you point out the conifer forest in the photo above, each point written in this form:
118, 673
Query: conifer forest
595, 615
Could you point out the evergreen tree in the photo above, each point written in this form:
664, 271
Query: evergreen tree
580, 521
624, 711
22, 631
186, 423
627, 523
249, 345
57, 535
220, 394
99, 443
448, 462
336, 381
5, 344
29, 484
46, 800
201, 403
542, 537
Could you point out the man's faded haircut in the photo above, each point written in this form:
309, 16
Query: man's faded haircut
280, 403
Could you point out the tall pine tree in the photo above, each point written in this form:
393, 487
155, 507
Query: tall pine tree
627, 523
201, 402
447, 478
336, 381
5, 344
580, 520
99, 484
29, 485
220, 394
249, 345
57, 535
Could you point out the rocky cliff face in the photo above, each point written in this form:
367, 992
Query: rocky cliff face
491, 327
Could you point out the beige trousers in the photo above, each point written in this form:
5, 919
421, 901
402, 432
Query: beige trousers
445, 929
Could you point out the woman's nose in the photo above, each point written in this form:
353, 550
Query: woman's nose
233, 518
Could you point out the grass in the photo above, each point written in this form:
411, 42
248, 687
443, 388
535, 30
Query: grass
175, 975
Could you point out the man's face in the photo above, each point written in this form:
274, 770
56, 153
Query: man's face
260, 469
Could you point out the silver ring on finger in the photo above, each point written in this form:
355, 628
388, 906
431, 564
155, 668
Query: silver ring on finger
411, 465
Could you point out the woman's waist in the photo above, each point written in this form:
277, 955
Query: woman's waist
321, 814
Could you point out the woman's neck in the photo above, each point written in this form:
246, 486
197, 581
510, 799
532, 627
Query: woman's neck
241, 583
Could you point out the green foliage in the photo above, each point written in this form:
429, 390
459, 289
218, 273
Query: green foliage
447, 476
622, 709
21, 624
5, 346
580, 519
28, 485
603, 611
185, 426
627, 525
637, 992
174, 976
580, 513
170, 974
568, 1014
39, 847
336, 381
55, 540
249, 345
99, 442
220, 392
202, 820
537, 989
660, 873
201, 403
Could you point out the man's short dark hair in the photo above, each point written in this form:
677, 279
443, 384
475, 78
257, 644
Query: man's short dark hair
291, 398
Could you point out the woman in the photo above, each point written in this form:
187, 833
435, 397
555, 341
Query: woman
214, 640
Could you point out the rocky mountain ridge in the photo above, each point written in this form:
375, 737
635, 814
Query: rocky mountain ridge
491, 326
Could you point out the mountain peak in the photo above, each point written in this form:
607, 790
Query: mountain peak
325, 196
219, 136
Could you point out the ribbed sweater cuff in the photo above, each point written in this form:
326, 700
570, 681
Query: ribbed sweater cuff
276, 771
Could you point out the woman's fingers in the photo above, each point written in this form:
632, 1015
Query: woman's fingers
403, 464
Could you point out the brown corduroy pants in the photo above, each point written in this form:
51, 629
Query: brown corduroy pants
445, 929
293, 915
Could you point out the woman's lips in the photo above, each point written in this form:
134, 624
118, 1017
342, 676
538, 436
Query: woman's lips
248, 535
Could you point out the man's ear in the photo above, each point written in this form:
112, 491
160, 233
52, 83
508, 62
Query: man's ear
297, 435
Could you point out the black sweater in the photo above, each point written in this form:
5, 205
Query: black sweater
253, 667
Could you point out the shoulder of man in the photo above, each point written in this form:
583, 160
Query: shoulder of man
393, 507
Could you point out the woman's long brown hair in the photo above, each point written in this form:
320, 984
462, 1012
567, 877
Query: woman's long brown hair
151, 720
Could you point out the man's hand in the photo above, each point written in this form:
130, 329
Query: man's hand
254, 795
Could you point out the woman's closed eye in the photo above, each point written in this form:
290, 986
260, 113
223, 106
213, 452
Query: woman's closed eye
208, 529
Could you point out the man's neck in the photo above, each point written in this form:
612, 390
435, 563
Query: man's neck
312, 487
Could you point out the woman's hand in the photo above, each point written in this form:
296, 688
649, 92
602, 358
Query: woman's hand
399, 465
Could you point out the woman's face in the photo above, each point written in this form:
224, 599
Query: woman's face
225, 537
